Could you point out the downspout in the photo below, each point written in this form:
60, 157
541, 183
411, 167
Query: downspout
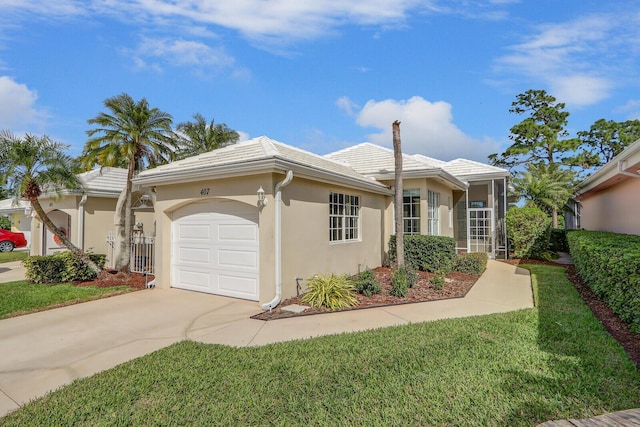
624, 172
81, 221
278, 241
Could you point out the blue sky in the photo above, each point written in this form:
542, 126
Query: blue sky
322, 74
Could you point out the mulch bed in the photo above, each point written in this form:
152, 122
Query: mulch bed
111, 278
456, 286
619, 330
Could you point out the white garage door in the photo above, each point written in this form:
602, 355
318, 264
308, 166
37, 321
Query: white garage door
215, 249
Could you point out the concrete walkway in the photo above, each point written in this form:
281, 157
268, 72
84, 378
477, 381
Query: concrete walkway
11, 271
43, 351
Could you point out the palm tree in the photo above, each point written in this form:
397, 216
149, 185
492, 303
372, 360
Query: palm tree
32, 164
199, 137
134, 135
547, 186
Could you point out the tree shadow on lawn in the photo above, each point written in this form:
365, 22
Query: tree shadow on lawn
583, 370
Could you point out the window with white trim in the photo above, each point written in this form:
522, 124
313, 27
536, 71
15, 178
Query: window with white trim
344, 217
411, 211
433, 205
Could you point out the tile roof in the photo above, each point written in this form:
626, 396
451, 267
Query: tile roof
106, 179
254, 150
464, 168
371, 159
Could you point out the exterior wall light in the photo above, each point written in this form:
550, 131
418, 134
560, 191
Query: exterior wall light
262, 201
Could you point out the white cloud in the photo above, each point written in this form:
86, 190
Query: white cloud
426, 128
17, 105
572, 59
347, 105
151, 53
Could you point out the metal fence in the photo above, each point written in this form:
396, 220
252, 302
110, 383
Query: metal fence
142, 253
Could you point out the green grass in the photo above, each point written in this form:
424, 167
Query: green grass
520, 368
13, 256
23, 297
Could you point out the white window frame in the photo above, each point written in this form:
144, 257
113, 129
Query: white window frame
344, 218
414, 211
433, 213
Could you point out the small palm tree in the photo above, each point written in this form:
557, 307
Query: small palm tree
547, 186
33, 163
199, 137
131, 135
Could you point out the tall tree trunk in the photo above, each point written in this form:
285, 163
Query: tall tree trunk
123, 260
80, 254
397, 152
554, 215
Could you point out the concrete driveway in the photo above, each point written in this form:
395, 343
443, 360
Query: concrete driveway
42, 351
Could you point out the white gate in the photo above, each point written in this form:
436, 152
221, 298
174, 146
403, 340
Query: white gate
142, 253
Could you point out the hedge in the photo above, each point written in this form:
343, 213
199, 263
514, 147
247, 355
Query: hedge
609, 264
59, 268
471, 263
529, 230
427, 253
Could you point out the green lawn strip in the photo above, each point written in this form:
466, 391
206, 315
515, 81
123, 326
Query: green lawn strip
22, 297
12, 256
520, 368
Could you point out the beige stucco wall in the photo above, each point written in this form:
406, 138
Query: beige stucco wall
445, 215
615, 209
169, 198
98, 222
306, 249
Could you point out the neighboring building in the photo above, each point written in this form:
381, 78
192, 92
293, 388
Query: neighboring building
19, 213
609, 199
87, 216
254, 219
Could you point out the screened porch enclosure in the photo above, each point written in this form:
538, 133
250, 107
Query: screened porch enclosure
479, 218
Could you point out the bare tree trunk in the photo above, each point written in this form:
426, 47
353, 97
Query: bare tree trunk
123, 209
554, 215
83, 256
397, 152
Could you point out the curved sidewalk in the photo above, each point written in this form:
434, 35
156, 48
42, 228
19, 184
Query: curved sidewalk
502, 287
43, 351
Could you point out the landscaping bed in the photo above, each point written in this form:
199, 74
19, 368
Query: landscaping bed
456, 286
111, 278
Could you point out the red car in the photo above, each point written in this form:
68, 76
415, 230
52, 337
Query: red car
10, 240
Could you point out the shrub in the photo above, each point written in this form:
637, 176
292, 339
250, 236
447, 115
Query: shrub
438, 282
75, 269
333, 292
609, 264
473, 263
401, 280
44, 269
366, 284
61, 267
529, 230
427, 253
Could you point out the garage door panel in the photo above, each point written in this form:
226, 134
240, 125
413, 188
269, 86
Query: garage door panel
193, 279
193, 232
238, 286
238, 259
237, 232
215, 249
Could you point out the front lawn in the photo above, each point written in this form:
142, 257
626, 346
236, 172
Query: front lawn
23, 297
13, 256
521, 368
